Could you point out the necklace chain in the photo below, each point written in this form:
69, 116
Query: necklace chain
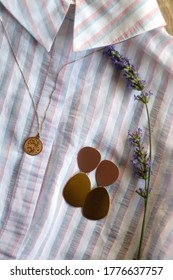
40, 123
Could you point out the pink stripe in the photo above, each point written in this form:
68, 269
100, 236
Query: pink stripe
63, 6
32, 23
169, 243
48, 17
80, 26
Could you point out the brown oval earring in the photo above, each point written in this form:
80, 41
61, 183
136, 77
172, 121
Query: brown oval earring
106, 173
96, 205
88, 159
78, 186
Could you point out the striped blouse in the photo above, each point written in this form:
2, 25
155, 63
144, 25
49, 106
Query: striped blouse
59, 47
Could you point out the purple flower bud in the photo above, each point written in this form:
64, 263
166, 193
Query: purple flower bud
140, 160
144, 97
129, 70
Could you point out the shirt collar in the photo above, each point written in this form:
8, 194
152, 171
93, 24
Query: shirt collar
96, 23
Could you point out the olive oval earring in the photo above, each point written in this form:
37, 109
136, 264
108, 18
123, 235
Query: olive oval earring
79, 185
76, 189
97, 202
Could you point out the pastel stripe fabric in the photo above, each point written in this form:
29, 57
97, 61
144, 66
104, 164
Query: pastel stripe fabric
110, 21
91, 106
96, 23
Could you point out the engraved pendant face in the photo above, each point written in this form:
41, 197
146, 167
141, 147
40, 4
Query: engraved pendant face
33, 145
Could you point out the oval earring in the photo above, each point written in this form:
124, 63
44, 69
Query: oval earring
78, 186
76, 189
88, 159
106, 173
96, 205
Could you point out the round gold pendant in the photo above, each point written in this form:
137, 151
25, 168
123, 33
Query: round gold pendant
33, 145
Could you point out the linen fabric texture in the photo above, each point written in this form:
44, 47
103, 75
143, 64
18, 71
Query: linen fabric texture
91, 106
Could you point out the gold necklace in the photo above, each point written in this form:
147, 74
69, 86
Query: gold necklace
33, 145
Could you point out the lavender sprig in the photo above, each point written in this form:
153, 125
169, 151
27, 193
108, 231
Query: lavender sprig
144, 96
141, 160
129, 71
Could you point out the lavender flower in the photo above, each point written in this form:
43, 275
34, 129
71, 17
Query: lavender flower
135, 137
143, 192
129, 70
140, 160
144, 97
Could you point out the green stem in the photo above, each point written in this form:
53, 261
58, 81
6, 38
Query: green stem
149, 128
147, 188
143, 225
